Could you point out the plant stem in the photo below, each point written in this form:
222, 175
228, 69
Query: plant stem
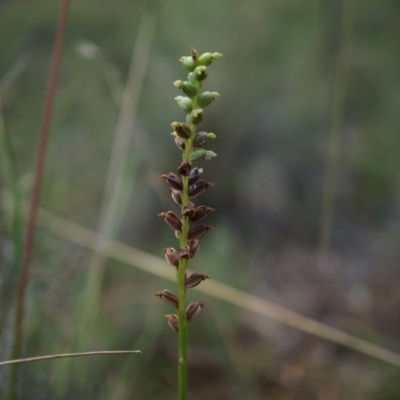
67, 355
181, 276
183, 331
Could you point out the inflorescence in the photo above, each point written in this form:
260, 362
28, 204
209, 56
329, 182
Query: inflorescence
186, 184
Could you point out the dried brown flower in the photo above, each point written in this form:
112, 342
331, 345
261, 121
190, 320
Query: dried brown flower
197, 231
194, 175
173, 322
168, 297
184, 168
200, 213
176, 196
195, 279
173, 181
193, 309
199, 187
172, 256
172, 220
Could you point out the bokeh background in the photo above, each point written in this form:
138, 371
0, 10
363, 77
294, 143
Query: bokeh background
307, 194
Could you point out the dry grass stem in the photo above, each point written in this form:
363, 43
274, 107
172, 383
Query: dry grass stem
68, 355
84, 237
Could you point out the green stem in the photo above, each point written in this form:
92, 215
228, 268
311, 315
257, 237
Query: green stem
183, 331
181, 276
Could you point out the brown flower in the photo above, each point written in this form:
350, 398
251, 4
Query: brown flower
184, 168
176, 196
195, 279
172, 220
172, 256
199, 213
173, 181
197, 231
168, 297
199, 187
172, 320
193, 309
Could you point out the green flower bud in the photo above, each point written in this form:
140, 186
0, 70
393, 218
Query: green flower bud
200, 73
208, 58
202, 138
182, 129
197, 155
184, 103
209, 155
178, 84
201, 154
188, 63
187, 88
191, 78
206, 98
195, 117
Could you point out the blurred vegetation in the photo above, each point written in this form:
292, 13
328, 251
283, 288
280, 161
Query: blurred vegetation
273, 122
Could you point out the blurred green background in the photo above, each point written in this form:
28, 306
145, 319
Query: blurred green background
307, 194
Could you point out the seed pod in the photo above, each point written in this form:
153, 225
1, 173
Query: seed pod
172, 256
173, 181
176, 196
193, 309
195, 279
168, 297
182, 129
184, 168
188, 63
200, 73
188, 88
208, 58
200, 213
197, 231
195, 117
194, 175
185, 103
197, 155
172, 220
199, 187
173, 322
202, 138
206, 98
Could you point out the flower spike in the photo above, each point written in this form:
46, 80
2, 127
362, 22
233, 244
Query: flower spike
187, 184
